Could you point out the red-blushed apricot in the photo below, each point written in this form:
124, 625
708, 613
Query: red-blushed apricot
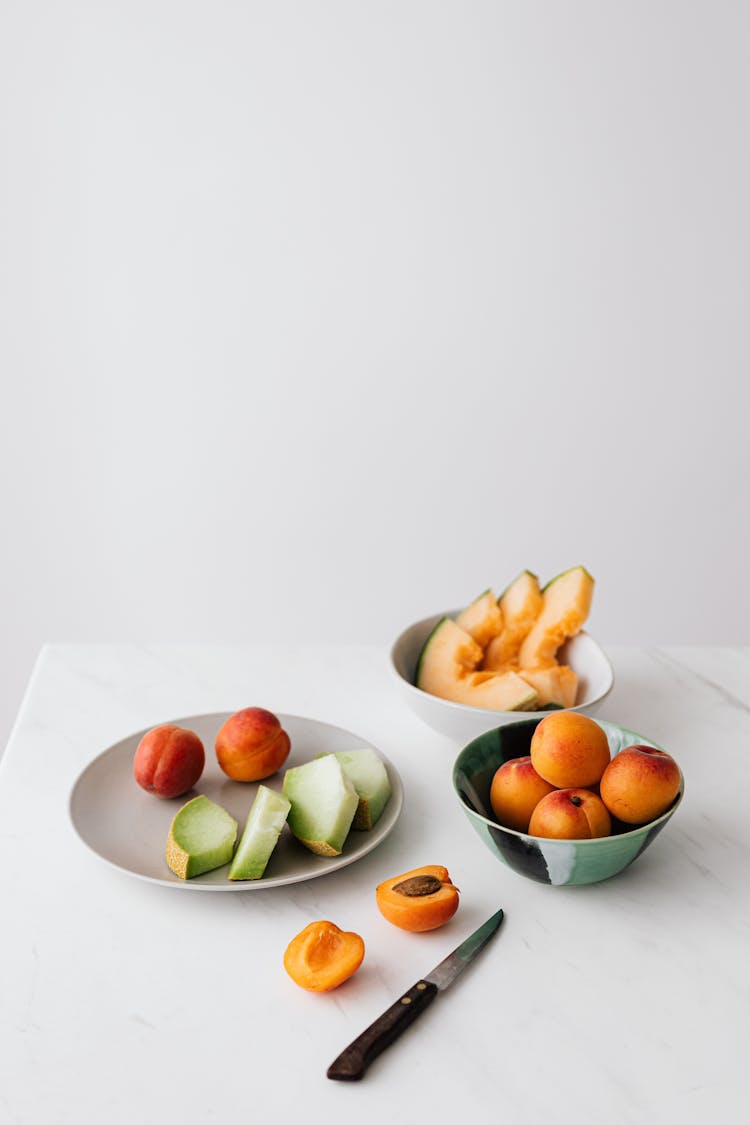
252, 745
640, 783
570, 814
515, 792
569, 750
168, 761
419, 900
322, 956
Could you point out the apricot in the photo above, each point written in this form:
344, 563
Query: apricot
419, 900
252, 745
515, 792
570, 814
569, 750
640, 783
322, 956
168, 761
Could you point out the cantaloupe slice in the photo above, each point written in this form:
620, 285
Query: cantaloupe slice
566, 605
367, 773
556, 684
260, 835
520, 605
483, 619
447, 668
323, 802
201, 837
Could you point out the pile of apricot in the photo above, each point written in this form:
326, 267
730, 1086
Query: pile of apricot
570, 788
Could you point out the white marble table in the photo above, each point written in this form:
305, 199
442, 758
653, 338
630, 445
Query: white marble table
125, 1001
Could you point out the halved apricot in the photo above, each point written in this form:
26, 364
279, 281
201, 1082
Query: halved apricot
419, 900
322, 956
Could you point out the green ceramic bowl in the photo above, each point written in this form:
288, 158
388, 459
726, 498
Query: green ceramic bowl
559, 862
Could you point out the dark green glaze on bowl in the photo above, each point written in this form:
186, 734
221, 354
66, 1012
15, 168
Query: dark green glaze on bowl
559, 862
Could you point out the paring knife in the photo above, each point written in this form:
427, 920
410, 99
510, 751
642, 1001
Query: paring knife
355, 1059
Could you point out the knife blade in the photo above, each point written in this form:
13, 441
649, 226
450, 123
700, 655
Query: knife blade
354, 1060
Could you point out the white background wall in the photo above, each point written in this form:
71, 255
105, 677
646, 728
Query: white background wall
318, 317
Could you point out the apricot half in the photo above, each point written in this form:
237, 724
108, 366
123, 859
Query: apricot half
419, 900
323, 956
569, 750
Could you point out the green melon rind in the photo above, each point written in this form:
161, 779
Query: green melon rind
425, 654
525, 696
466, 612
529, 703
549, 634
260, 835
563, 573
425, 648
323, 804
367, 773
510, 584
479, 597
201, 838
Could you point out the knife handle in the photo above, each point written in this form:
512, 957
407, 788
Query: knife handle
355, 1059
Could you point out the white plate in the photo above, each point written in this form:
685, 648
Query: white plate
128, 827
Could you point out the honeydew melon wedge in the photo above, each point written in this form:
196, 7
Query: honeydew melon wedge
483, 619
447, 668
367, 773
260, 835
520, 606
556, 684
201, 837
323, 802
566, 601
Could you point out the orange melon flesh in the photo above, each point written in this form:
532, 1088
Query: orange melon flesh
483, 619
557, 684
447, 668
566, 604
520, 606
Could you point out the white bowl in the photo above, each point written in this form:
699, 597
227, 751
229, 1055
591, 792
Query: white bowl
458, 720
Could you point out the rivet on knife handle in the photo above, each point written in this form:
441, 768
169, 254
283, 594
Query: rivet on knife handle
355, 1059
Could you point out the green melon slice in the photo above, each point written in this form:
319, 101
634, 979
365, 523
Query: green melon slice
556, 684
260, 835
447, 667
566, 602
367, 773
483, 619
323, 802
520, 605
201, 837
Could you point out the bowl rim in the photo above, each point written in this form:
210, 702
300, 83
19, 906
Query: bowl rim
468, 708
640, 740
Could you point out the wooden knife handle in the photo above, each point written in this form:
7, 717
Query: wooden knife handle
355, 1059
